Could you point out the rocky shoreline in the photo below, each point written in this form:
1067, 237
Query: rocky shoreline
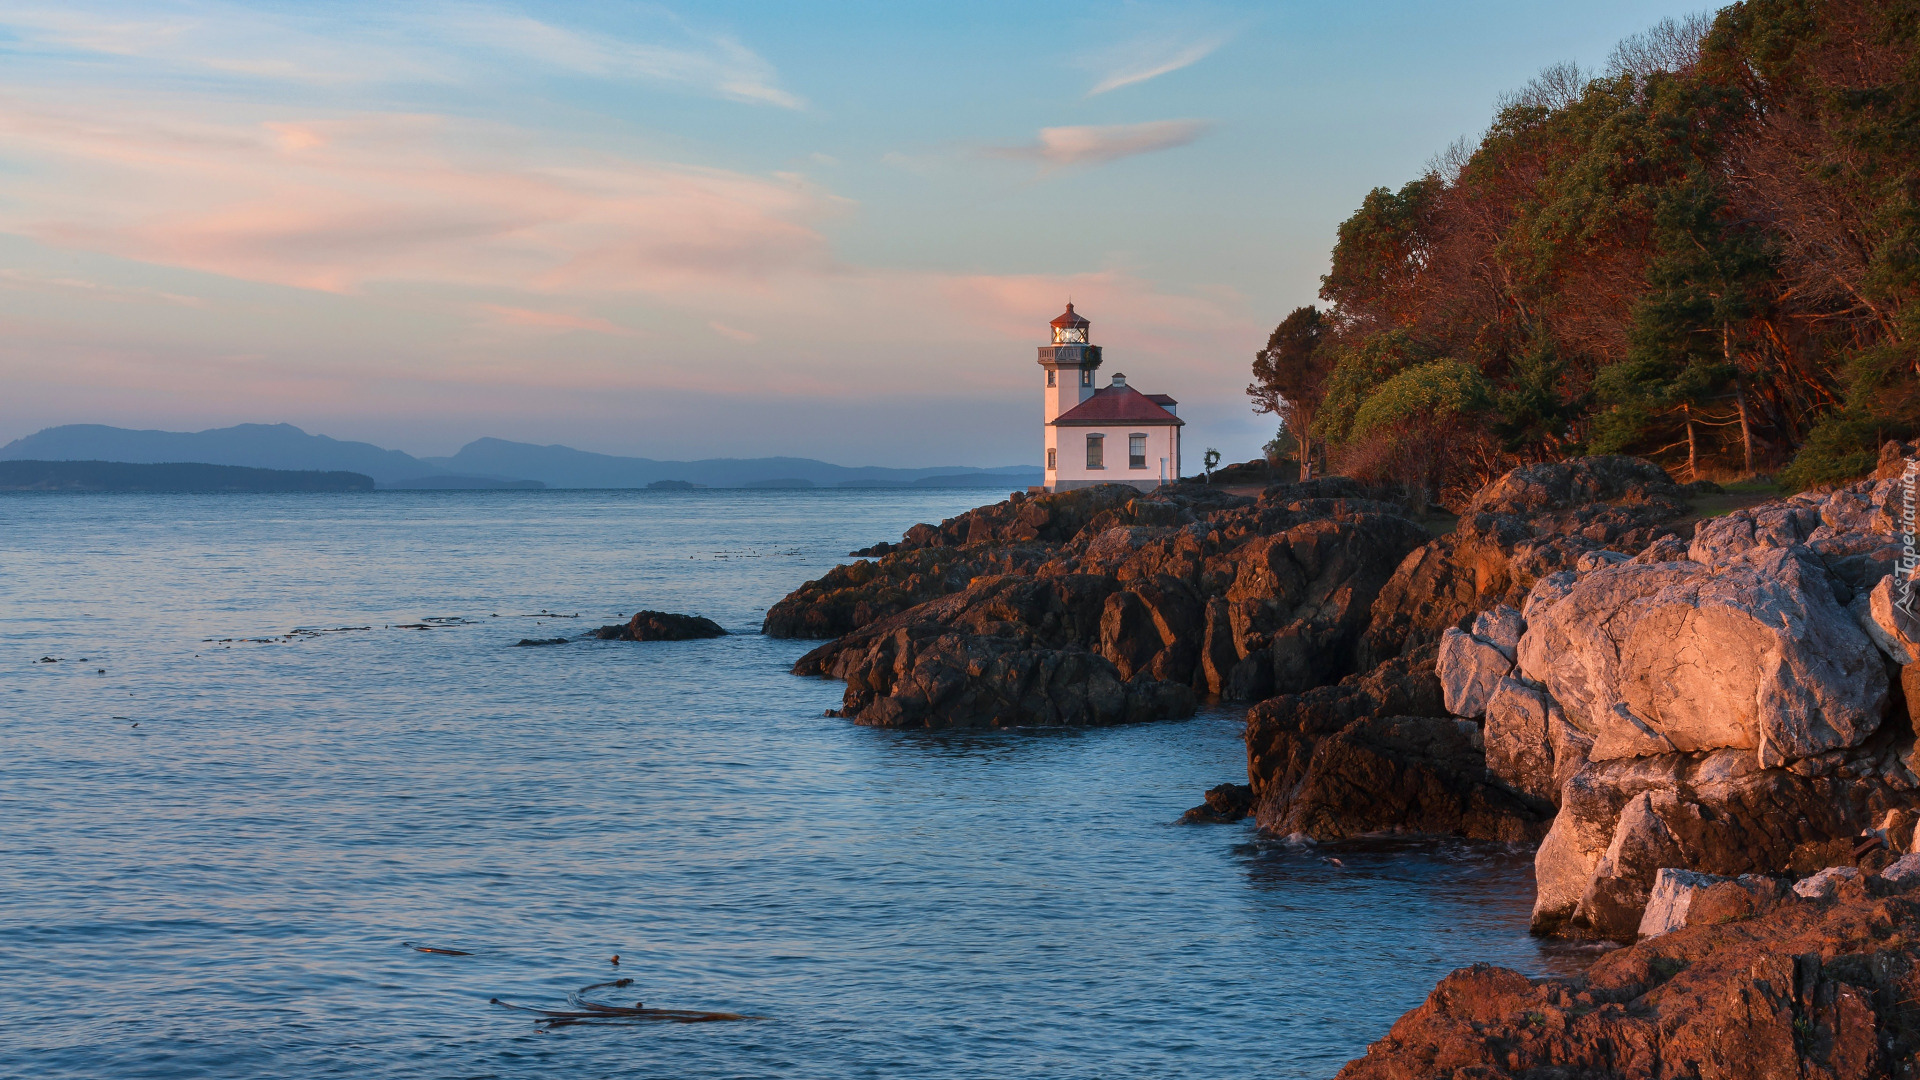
1583, 664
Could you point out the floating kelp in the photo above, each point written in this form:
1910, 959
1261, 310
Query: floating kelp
600, 1014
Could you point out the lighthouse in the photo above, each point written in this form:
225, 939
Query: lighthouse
1112, 434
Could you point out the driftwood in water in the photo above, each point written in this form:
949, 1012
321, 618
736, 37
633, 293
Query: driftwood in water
594, 1012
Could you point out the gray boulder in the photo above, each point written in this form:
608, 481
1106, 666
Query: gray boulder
1754, 654
1903, 870
1500, 626
1880, 614
1672, 896
1530, 746
1822, 885
1469, 668
1682, 898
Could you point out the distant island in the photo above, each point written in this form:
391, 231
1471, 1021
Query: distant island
483, 463
171, 476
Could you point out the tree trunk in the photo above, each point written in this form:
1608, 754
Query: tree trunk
1693, 461
1740, 394
1746, 429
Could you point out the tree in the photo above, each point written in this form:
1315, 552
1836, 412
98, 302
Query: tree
1209, 461
1290, 376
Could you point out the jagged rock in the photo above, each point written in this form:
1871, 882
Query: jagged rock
1007, 651
1755, 654
1535, 521
1802, 990
1500, 626
661, 626
1225, 803
1405, 774
1880, 613
1895, 459
1682, 898
1823, 885
1686, 898
1533, 490
1665, 549
1283, 731
1530, 746
1470, 667
1903, 870
1621, 820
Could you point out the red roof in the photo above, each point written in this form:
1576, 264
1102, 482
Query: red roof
1069, 319
1117, 405
1162, 399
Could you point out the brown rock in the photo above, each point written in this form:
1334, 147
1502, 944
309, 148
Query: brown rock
1405, 774
661, 626
1803, 990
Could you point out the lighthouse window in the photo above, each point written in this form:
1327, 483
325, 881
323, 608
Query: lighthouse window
1049, 376
1136, 451
1096, 452
1086, 376
1050, 464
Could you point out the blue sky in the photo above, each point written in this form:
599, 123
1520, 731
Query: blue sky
725, 229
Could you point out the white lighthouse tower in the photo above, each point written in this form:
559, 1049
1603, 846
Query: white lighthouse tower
1111, 435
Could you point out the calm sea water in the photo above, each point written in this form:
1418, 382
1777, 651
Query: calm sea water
216, 839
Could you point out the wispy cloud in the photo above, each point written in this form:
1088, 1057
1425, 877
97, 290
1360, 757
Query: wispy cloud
436, 44
1150, 58
731, 333
1064, 147
336, 203
553, 321
93, 290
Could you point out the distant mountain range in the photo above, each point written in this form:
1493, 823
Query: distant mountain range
481, 463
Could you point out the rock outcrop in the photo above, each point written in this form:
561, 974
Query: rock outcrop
1188, 591
1658, 657
1372, 756
661, 626
1532, 522
1795, 988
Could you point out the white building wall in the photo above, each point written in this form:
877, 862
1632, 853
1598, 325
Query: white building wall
1069, 447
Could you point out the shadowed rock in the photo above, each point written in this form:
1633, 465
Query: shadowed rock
661, 626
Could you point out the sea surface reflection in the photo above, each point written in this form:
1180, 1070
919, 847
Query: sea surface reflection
220, 835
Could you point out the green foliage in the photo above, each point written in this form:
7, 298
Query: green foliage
1883, 402
1530, 413
1281, 447
1358, 370
1432, 393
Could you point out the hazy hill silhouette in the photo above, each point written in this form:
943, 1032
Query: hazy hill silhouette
283, 446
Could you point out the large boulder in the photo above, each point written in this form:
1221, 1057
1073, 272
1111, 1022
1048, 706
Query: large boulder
1756, 654
1470, 667
1683, 898
1531, 747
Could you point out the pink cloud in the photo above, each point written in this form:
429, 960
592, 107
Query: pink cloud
745, 337
554, 321
338, 204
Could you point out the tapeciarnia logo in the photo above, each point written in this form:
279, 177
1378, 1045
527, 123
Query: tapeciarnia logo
1906, 591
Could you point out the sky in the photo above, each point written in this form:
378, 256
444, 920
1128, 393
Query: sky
702, 230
